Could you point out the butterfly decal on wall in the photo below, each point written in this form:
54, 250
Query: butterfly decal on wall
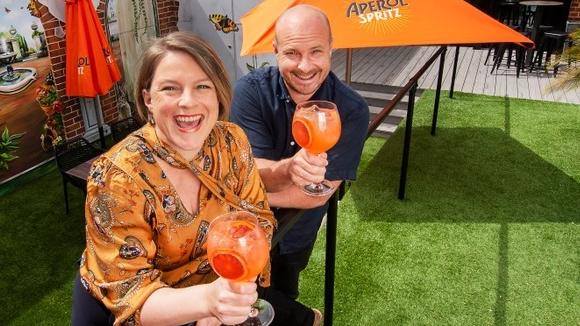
223, 23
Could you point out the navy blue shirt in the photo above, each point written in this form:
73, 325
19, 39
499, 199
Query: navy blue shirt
263, 107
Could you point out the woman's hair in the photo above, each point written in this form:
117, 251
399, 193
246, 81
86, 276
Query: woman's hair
200, 51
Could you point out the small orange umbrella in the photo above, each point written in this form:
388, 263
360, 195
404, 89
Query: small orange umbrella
90, 67
382, 23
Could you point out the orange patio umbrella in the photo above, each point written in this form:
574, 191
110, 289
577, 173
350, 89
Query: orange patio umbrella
382, 23
91, 69
90, 66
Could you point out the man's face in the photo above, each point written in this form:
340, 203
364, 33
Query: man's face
303, 52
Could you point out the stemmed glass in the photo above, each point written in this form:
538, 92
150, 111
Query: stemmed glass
316, 128
237, 249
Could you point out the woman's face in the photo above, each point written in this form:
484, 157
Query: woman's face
183, 102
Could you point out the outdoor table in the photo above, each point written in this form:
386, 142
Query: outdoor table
81, 171
540, 5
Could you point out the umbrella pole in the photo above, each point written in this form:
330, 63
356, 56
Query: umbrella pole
348, 72
97, 103
454, 71
438, 91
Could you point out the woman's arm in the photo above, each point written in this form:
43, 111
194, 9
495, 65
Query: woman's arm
119, 264
229, 302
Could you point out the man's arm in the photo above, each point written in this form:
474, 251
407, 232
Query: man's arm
284, 179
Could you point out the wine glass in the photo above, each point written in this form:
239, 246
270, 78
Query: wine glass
237, 250
316, 128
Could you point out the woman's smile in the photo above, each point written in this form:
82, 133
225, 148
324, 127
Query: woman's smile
189, 123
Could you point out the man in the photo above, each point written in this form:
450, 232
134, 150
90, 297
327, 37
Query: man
263, 104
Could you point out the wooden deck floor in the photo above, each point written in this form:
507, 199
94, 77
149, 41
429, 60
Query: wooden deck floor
395, 66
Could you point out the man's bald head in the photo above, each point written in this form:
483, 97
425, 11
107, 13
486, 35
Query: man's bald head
302, 15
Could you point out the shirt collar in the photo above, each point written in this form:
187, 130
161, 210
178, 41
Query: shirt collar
166, 152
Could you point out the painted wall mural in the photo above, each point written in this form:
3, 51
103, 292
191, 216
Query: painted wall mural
30, 120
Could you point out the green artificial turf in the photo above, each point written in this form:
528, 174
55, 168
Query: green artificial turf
488, 233
39, 248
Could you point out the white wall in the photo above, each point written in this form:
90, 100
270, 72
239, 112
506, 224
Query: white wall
194, 17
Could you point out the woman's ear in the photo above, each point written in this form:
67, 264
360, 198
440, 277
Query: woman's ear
146, 98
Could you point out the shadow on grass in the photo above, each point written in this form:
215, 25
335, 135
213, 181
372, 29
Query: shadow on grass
468, 175
39, 248
465, 175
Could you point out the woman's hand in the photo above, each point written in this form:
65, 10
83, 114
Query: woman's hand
209, 321
231, 302
305, 168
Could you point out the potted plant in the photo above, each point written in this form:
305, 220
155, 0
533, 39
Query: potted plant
47, 98
8, 144
571, 79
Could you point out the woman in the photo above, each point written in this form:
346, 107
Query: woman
151, 198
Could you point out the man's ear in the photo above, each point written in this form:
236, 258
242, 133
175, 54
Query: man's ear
275, 46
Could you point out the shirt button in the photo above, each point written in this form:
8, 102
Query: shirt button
292, 143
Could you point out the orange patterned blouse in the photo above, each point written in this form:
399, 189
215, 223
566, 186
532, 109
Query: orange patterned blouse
139, 235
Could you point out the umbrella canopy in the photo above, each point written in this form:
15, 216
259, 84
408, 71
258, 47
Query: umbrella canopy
381, 23
90, 66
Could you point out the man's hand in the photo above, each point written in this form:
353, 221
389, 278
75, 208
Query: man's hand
305, 168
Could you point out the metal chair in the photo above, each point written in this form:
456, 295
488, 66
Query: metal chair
122, 128
70, 154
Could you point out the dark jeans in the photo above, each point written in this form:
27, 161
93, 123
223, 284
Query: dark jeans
283, 291
282, 295
286, 270
86, 310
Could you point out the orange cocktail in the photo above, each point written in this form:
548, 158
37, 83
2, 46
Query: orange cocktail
238, 250
316, 127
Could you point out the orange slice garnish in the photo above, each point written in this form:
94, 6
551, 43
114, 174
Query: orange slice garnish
301, 133
229, 265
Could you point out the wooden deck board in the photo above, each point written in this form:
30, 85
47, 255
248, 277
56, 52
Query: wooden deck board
462, 65
396, 65
365, 62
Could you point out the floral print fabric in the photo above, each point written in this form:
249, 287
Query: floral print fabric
140, 237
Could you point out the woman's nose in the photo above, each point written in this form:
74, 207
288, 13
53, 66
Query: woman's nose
187, 98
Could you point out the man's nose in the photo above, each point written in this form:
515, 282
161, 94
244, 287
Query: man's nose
305, 63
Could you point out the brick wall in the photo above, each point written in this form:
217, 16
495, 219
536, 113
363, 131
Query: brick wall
167, 10
574, 14
72, 117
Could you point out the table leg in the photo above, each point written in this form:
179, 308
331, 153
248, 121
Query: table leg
535, 31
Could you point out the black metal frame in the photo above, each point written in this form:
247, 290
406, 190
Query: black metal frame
69, 155
122, 128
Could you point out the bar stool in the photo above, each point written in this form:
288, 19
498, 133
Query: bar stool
508, 12
550, 42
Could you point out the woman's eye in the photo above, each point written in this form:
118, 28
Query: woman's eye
168, 88
203, 86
